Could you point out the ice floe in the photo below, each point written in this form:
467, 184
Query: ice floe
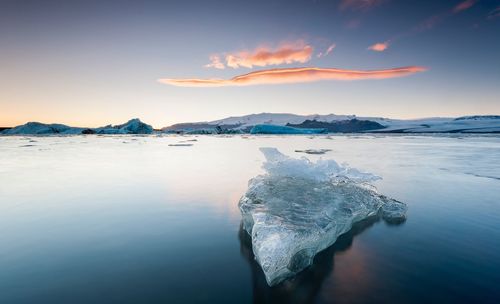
299, 208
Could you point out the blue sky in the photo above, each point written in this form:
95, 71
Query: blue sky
91, 63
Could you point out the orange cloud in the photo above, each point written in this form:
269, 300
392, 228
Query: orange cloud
379, 47
295, 75
359, 4
215, 62
264, 56
462, 6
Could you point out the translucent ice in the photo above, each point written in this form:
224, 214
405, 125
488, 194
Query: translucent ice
299, 208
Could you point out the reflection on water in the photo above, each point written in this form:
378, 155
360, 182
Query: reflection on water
305, 286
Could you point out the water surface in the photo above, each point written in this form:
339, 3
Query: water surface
131, 219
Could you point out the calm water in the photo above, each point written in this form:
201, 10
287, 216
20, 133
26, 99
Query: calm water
123, 219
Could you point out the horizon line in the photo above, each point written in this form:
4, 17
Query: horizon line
272, 113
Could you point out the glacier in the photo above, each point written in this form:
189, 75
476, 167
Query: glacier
299, 208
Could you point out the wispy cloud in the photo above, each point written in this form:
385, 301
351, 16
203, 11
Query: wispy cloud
379, 47
494, 13
359, 4
353, 23
215, 62
427, 24
286, 53
327, 51
330, 49
433, 20
464, 5
294, 75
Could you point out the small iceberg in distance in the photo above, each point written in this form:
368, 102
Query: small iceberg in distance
314, 151
299, 208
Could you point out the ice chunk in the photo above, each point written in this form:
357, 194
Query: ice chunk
299, 208
133, 126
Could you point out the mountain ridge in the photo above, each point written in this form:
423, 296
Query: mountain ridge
332, 123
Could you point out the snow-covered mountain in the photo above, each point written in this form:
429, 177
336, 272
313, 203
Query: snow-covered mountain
265, 121
466, 124
133, 126
278, 119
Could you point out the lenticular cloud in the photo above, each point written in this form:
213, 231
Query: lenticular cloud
294, 75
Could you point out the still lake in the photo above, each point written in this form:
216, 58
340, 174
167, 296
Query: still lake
130, 219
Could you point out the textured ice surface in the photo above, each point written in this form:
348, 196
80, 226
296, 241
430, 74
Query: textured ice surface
299, 208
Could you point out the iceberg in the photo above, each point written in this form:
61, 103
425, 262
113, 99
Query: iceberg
133, 126
299, 208
38, 128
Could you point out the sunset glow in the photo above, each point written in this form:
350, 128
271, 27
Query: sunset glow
92, 63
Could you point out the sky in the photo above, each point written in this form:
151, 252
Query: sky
92, 63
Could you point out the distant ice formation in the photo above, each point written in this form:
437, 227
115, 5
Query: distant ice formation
42, 129
133, 126
313, 151
180, 145
299, 208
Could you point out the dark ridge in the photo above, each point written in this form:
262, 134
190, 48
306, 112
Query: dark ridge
478, 117
343, 126
88, 131
5, 128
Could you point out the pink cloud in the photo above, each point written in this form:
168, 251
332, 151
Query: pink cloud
494, 13
464, 5
359, 4
379, 47
294, 75
286, 53
427, 24
430, 22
